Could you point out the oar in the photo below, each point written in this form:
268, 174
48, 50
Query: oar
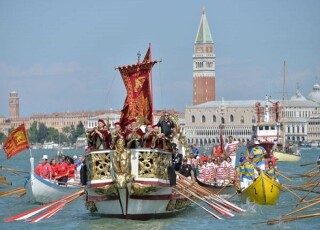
5, 182
310, 191
300, 209
215, 206
2, 178
13, 191
283, 186
15, 171
206, 192
34, 211
275, 221
281, 174
310, 163
54, 209
211, 213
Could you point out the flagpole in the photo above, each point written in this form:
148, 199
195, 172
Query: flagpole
151, 88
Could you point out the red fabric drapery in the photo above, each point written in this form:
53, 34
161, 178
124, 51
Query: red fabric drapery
139, 99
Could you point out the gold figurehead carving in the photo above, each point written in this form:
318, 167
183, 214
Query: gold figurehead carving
122, 164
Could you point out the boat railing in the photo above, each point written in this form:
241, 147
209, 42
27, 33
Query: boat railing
139, 163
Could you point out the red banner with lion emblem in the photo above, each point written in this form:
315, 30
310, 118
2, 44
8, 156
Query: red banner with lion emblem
17, 141
136, 80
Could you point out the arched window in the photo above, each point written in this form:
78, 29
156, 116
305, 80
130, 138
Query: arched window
242, 120
203, 119
231, 118
253, 119
193, 119
222, 120
214, 118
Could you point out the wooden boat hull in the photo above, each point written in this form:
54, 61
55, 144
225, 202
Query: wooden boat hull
44, 191
215, 187
284, 156
263, 191
147, 194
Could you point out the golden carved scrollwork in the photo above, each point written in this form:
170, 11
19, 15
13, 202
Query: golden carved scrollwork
154, 165
91, 206
98, 166
109, 190
182, 203
141, 189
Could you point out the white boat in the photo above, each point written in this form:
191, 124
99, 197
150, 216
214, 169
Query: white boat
287, 156
132, 183
45, 191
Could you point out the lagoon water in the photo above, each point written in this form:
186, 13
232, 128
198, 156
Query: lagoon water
75, 216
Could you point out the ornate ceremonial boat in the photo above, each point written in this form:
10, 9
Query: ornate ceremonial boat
45, 191
263, 190
133, 183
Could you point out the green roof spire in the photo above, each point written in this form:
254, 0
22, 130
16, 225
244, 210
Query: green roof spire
204, 34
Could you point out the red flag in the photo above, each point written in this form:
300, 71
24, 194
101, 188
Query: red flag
147, 57
17, 141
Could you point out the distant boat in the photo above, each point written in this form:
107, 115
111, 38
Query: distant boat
268, 132
50, 145
263, 191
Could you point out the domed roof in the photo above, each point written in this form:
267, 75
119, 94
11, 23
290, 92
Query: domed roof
298, 96
314, 95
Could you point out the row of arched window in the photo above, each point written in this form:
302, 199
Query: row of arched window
214, 119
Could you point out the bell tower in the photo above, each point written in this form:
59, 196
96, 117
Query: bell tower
204, 66
13, 105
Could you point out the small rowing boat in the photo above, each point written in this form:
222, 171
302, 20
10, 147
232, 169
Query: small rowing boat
263, 190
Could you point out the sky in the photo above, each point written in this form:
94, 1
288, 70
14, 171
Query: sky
60, 55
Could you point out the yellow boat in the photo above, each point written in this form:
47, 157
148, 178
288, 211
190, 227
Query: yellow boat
263, 190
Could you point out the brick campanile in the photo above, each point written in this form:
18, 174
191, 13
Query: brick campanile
13, 105
204, 65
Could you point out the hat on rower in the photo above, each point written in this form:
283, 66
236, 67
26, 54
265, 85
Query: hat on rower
45, 157
75, 157
256, 142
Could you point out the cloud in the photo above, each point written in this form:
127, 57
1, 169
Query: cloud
52, 69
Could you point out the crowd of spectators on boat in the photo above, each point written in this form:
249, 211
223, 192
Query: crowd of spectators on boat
64, 171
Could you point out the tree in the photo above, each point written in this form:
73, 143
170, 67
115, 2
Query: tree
3, 138
43, 132
33, 133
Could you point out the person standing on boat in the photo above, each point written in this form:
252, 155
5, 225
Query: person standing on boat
187, 170
176, 159
231, 149
148, 137
116, 134
258, 153
134, 135
100, 137
168, 129
157, 139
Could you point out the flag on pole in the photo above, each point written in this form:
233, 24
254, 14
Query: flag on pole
17, 141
